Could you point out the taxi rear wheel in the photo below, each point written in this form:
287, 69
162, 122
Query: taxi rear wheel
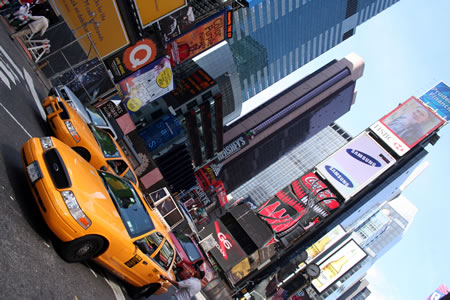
83, 248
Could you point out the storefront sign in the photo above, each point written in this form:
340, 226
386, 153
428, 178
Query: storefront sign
233, 147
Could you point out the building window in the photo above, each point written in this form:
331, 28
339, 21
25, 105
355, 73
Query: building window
347, 34
352, 6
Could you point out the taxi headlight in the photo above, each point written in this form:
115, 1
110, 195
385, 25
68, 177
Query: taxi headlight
75, 210
46, 142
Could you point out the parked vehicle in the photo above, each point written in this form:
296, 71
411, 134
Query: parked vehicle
90, 114
94, 144
98, 215
189, 258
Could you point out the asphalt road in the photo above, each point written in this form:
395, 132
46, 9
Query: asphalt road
29, 266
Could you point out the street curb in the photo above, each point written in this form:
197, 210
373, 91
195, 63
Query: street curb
33, 65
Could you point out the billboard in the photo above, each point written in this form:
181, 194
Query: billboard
355, 165
337, 265
326, 242
406, 125
194, 42
438, 98
306, 201
147, 84
223, 247
102, 19
440, 292
177, 23
151, 11
161, 131
133, 58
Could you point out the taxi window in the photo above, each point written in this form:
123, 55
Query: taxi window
150, 243
130, 176
165, 256
105, 142
134, 216
118, 165
96, 116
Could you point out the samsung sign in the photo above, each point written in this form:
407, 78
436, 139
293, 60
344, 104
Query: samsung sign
355, 165
232, 147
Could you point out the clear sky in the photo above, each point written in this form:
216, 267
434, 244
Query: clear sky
406, 50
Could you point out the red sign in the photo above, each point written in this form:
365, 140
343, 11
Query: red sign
307, 200
137, 56
198, 40
229, 24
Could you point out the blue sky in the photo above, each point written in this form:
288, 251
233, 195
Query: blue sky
406, 52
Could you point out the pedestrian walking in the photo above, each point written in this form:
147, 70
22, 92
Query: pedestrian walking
38, 24
186, 289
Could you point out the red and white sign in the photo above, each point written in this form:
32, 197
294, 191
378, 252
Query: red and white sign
137, 56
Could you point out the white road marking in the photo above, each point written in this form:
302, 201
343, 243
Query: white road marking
8, 72
30, 83
12, 117
11, 61
117, 290
4, 78
93, 272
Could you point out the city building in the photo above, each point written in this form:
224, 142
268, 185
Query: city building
376, 234
261, 137
286, 34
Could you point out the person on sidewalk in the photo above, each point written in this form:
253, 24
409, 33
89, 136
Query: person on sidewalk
186, 289
38, 24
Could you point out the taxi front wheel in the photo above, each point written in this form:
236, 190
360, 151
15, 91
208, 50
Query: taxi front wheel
83, 248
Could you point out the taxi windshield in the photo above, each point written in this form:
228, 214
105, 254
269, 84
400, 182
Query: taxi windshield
105, 142
134, 215
150, 244
96, 116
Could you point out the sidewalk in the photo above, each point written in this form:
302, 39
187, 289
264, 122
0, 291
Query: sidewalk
25, 50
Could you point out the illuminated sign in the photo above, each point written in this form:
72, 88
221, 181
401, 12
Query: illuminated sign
355, 165
229, 24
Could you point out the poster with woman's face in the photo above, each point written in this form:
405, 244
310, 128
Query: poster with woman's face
411, 121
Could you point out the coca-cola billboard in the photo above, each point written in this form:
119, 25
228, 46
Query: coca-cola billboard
305, 202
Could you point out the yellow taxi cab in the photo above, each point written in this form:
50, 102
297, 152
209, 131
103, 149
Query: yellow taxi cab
98, 215
92, 143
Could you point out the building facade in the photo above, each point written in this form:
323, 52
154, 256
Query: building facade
291, 33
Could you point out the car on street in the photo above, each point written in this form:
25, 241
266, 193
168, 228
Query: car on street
89, 113
98, 215
189, 258
95, 145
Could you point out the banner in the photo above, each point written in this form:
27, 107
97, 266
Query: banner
151, 11
101, 18
438, 98
198, 40
147, 84
406, 125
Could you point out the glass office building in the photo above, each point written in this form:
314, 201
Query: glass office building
273, 38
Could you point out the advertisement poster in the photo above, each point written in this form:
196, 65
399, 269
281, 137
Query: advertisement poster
177, 23
355, 165
151, 11
325, 243
225, 250
160, 132
198, 40
406, 125
147, 84
438, 98
101, 18
134, 57
337, 265
306, 201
